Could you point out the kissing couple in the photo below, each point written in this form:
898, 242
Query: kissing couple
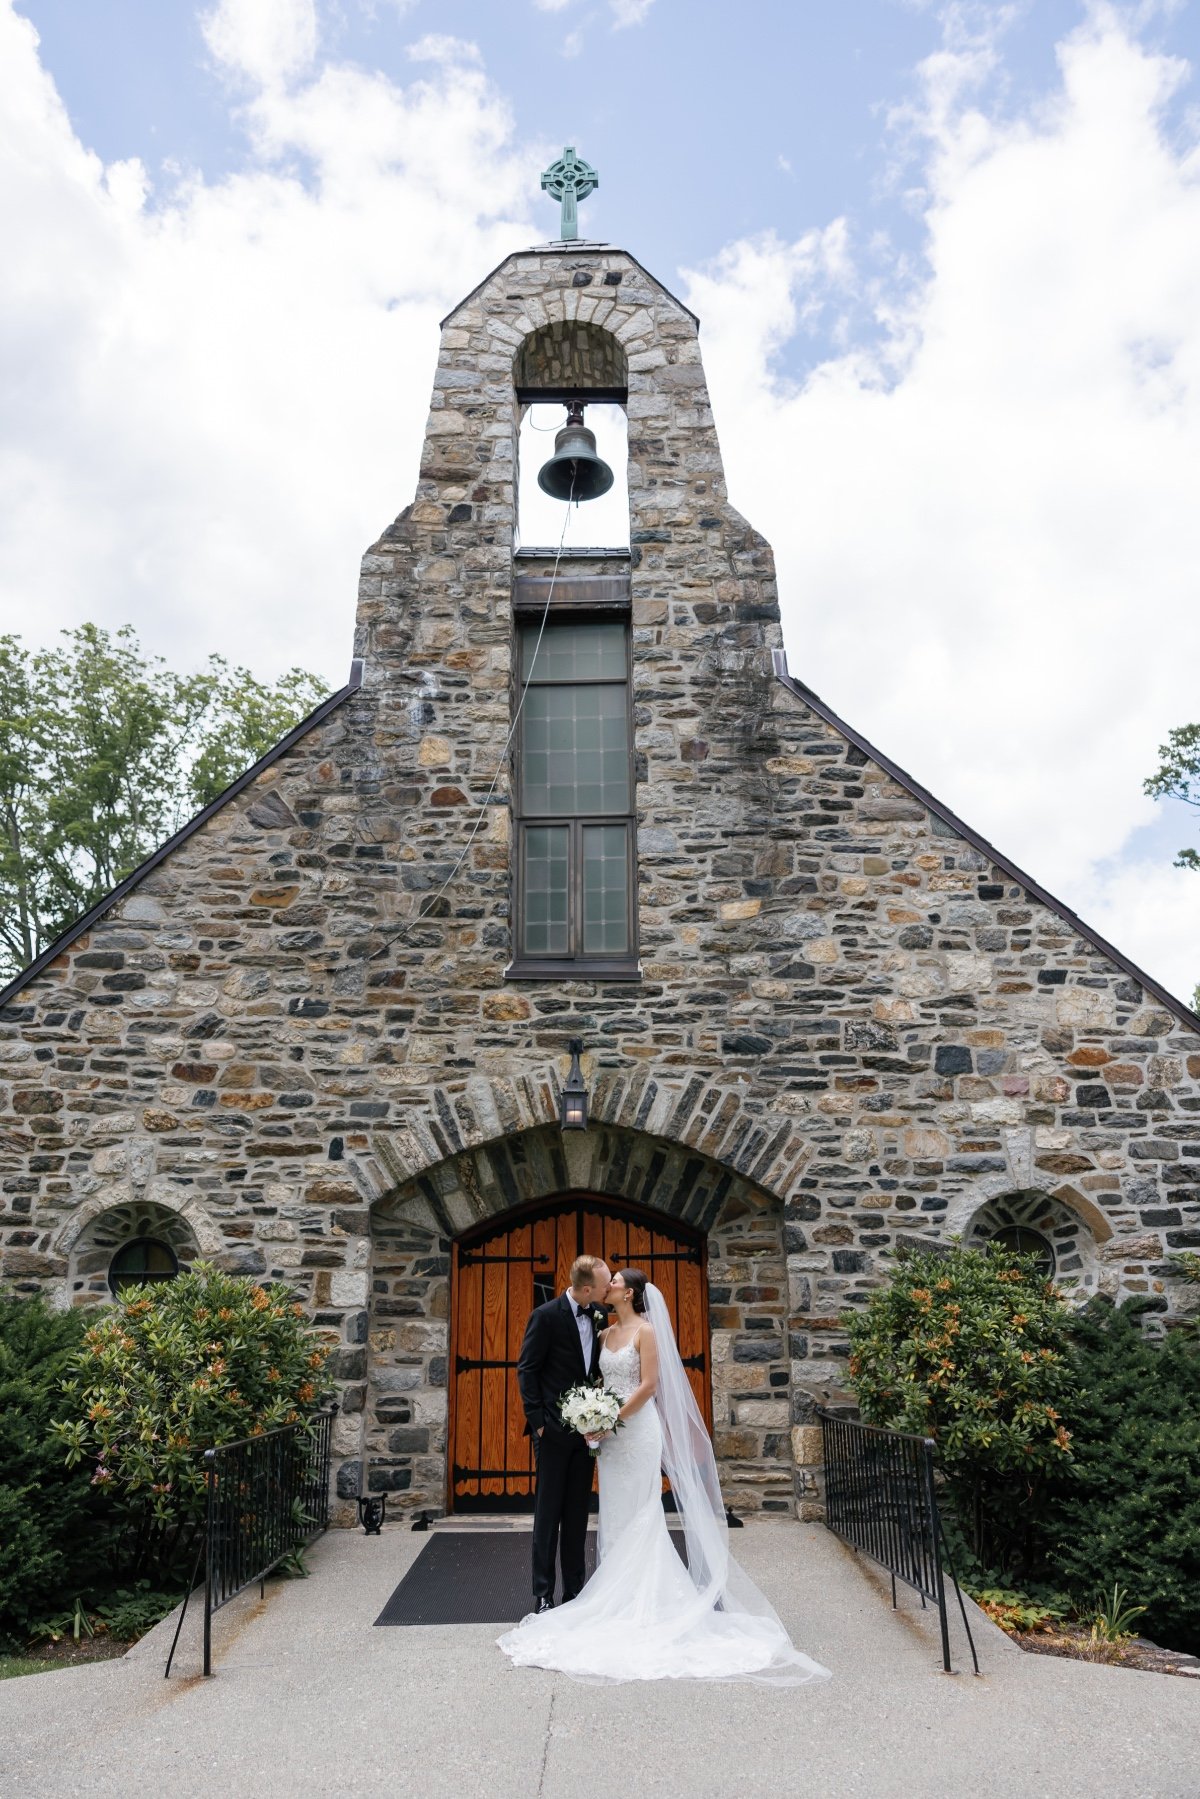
645, 1614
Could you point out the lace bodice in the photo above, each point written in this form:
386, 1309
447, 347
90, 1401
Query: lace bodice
621, 1369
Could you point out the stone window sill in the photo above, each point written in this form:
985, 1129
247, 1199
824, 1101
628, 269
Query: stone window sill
595, 968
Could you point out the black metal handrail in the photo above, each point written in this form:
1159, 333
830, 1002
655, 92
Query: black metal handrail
266, 1496
881, 1498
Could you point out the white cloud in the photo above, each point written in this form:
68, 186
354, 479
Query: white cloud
212, 397
629, 12
436, 47
986, 528
263, 41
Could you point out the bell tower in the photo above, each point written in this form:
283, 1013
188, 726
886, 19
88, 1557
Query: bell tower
539, 762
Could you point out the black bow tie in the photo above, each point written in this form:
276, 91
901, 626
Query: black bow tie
583, 1311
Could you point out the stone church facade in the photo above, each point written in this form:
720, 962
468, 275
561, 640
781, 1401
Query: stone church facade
321, 1035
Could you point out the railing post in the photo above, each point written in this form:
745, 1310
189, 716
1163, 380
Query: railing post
927, 1448
210, 1482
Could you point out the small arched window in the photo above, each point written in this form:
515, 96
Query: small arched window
142, 1260
1023, 1242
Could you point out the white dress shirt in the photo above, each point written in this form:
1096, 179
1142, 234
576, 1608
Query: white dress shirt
585, 1331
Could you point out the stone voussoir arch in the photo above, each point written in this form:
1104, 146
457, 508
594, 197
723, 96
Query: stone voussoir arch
209, 1240
570, 352
494, 1144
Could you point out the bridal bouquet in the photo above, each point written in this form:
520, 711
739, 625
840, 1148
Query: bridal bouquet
591, 1411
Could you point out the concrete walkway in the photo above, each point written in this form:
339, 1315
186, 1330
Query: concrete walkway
309, 1699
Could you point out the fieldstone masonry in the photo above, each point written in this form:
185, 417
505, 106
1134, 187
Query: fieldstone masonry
290, 1045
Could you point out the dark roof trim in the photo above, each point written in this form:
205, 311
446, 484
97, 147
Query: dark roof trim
1173, 1005
181, 836
579, 245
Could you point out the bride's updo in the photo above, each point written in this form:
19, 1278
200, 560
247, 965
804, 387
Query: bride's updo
636, 1281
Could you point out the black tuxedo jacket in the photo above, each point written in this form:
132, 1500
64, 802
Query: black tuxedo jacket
551, 1360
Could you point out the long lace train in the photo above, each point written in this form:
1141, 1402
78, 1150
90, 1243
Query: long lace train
644, 1615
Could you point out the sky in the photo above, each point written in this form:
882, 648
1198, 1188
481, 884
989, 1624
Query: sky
946, 259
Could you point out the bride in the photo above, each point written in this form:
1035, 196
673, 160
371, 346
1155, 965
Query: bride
644, 1615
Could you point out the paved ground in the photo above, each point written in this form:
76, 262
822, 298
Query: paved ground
309, 1699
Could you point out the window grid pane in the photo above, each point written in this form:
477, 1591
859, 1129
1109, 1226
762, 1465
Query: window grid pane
582, 652
576, 751
574, 767
545, 888
605, 890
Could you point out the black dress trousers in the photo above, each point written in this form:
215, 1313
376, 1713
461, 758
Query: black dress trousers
560, 1511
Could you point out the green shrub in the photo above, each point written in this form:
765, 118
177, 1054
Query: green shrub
54, 1532
171, 1370
1130, 1511
969, 1347
131, 1611
1013, 1611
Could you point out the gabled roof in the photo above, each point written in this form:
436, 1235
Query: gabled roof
903, 779
570, 245
181, 836
810, 699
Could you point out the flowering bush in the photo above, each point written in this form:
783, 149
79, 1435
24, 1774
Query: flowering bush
970, 1348
176, 1368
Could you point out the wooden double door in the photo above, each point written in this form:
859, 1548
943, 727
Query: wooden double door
500, 1272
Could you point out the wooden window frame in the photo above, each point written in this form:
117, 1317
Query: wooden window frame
577, 964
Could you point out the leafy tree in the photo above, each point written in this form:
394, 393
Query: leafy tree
54, 1532
1177, 777
174, 1369
970, 1348
245, 717
26, 906
105, 751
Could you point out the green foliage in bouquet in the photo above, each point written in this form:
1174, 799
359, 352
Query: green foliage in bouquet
970, 1347
53, 1532
176, 1368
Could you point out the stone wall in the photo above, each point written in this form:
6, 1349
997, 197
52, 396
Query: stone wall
847, 1005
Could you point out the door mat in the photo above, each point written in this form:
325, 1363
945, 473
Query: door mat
469, 1577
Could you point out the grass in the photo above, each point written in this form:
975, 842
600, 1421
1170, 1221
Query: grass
12, 1665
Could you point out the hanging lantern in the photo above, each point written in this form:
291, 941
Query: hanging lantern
573, 1114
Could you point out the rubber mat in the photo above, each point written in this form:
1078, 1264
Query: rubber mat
473, 1577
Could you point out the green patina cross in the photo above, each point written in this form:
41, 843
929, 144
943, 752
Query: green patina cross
570, 180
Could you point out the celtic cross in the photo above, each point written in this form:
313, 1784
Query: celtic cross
570, 180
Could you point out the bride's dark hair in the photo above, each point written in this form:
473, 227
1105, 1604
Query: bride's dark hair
635, 1280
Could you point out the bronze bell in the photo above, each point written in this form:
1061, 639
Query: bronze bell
575, 472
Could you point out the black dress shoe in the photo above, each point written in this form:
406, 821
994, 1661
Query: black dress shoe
567, 1597
542, 1605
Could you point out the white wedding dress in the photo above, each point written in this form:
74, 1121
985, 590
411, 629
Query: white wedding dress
644, 1615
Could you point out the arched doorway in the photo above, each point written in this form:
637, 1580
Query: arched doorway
503, 1269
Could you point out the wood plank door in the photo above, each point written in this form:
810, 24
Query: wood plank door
503, 1270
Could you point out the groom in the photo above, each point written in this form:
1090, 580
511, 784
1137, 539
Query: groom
561, 1350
